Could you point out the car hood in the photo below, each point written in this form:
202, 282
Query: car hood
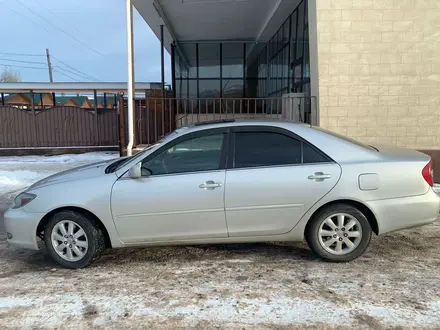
77, 173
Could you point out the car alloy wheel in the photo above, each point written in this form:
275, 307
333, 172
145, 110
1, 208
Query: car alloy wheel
340, 233
69, 240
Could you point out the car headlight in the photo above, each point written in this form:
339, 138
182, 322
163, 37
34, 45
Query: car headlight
23, 199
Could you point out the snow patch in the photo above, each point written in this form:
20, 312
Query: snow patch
18, 173
12, 302
277, 310
14, 181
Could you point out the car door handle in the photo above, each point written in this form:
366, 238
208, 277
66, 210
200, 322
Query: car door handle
319, 176
210, 185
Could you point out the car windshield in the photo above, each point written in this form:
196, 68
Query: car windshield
345, 138
121, 162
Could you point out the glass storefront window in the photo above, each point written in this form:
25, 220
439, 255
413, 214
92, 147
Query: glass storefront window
285, 73
232, 88
300, 34
286, 31
188, 66
293, 36
232, 60
181, 88
192, 88
209, 60
215, 70
209, 88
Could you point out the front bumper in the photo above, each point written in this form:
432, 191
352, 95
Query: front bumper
21, 228
403, 213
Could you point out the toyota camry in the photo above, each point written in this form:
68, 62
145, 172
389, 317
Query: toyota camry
230, 182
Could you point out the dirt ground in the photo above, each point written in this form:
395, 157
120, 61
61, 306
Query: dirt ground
395, 285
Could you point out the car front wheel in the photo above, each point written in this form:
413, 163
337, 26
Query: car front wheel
73, 240
339, 233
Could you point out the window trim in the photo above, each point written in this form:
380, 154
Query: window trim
276, 130
186, 137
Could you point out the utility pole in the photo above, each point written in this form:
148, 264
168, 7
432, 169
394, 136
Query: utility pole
49, 65
130, 84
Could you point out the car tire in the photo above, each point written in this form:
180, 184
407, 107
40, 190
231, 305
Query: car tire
85, 246
330, 242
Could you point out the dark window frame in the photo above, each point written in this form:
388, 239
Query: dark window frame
275, 130
191, 136
220, 77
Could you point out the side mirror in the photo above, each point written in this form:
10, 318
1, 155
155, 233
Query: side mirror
135, 172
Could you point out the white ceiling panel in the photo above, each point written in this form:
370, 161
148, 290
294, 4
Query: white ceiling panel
216, 19
208, 20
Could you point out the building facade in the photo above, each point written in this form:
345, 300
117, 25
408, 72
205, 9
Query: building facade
379, 70
373, 65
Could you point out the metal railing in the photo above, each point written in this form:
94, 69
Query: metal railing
158, 117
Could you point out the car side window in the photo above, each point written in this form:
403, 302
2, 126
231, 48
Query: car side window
313, 156
254, 149
193, 155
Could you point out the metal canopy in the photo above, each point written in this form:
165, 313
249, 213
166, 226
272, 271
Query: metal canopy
214, 20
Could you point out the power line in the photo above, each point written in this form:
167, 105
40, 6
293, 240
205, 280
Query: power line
67, 33
83, 76
19, 61
71, 67
67, 23
22, 66
21, 54
66, 75
78, 73
44, 28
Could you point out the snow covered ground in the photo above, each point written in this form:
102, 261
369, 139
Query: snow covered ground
18, 173
254, 286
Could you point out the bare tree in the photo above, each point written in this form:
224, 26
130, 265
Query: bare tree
9, 75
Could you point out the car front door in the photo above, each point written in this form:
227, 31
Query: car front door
180, 195
273, 178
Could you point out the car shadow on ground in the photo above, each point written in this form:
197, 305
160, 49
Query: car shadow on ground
215, 252
30, 261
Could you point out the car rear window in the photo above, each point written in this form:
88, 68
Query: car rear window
345, 138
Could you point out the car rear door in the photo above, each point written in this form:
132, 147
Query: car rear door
273, 178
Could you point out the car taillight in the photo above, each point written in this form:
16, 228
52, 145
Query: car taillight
428, 173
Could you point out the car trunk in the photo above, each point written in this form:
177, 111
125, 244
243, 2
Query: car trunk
400, 154
408, 171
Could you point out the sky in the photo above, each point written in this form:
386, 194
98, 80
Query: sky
87, 39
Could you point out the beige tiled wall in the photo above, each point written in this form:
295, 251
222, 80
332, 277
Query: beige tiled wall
379, 70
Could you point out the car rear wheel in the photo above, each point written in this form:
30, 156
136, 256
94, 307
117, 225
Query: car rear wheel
339, 233
73, 240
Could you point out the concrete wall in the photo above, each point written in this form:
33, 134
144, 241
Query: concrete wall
379, 70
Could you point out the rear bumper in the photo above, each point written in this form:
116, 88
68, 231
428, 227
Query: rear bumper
402, 213
21, 228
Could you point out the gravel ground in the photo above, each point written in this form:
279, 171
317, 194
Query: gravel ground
256, 286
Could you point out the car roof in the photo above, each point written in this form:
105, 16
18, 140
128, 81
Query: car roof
239, 122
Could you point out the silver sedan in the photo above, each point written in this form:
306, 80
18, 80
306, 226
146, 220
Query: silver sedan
230, 182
